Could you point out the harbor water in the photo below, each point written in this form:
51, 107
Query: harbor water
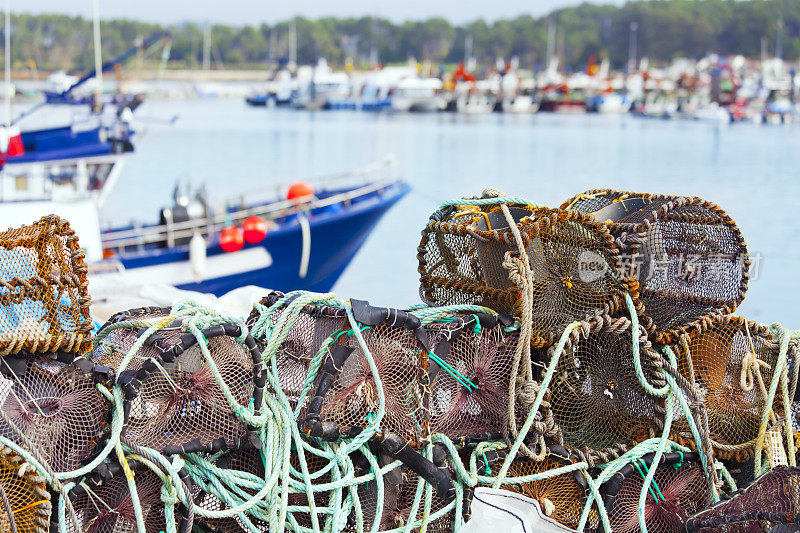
752, 171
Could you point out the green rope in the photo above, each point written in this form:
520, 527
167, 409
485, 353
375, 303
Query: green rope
654, 490
488, 201
469, 385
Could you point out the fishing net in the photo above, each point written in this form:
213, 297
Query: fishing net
688, 255
44, 302
312, 326
103, 502
469, 255
123, 329
596, 397
770, 504
56, 407
561, 497
470, 382
730, 362
24, 500
679, 490
175, 401
345, 394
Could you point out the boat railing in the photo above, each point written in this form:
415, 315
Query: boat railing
171, 232
379, 170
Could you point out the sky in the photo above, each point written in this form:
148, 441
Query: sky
242, 12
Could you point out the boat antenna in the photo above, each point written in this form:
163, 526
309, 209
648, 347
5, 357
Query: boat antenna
8, 62
98, 59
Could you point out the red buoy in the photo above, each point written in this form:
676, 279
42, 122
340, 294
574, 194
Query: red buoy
298, 190
231, 239
254, 229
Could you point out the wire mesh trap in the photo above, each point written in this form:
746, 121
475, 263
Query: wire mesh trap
103, 502
597, 400
54, 407
730, 362
470, 375
770, 504
470, 255
312, 326
687, 254
117, 336
679, 490
178, 399
24, 500
561, 497
44, 302
343, 398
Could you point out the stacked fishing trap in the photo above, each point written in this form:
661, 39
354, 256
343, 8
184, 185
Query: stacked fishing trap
584, 358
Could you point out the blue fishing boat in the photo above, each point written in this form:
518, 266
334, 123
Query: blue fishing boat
307, 242
74, 141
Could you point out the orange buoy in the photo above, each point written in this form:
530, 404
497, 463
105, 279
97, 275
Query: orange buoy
254, 229
231, 239
298, 190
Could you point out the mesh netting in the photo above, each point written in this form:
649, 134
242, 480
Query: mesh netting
103, 503
174, 398
770, 504
179, 401
313, 325
399, 414
346, 389
44, 302
116, 342
597, 400
352, 397
561, 497
475, 409
679, 490
689, 257
23, 495
58, 409
468, 255
730, 361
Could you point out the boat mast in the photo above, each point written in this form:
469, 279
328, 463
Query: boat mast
207, 47
98, 57
8, 62
293, 45
632, 47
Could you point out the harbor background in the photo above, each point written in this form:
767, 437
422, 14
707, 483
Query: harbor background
751, 170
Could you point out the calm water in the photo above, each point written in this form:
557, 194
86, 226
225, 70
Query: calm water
752, 171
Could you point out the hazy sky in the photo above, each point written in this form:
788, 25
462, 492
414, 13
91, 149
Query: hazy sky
240, 12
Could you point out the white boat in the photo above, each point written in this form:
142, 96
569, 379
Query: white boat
324, 85
609, 103
475, 103
520, 104
418, 94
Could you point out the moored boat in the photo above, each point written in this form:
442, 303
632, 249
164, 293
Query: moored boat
308, 241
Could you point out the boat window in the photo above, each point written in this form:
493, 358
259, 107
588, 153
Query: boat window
21, 182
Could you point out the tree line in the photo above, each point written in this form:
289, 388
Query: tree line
665, 29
